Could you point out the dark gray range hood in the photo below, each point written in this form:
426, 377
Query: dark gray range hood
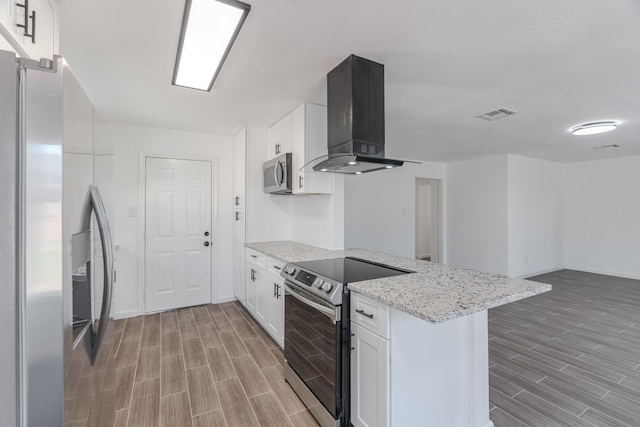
355, 99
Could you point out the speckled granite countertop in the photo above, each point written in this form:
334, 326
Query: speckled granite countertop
289, 251
435, 292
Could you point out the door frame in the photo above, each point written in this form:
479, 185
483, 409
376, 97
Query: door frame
437, 184
142, 220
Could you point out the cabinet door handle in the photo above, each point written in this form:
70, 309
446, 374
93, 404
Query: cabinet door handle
237, 216
237, 200
300, 178
278, 291
253, 275
25, 25
33, 28
370, 316
254, 256
277, 268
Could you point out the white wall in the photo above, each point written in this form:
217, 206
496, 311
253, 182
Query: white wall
129, 143
477, 214
379, 208
602, 216
535, 212
311, 219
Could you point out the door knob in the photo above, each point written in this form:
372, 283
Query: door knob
206, 233
207, 243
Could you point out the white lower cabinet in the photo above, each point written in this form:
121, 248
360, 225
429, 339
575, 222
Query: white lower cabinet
275, 309
264, 293
369, 377
255, 282
426, 367
261, 297
239, 281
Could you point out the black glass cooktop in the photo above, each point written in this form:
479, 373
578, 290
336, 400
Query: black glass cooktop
349, 270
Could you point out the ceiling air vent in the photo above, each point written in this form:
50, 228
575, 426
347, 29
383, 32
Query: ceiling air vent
606, 147
500, 113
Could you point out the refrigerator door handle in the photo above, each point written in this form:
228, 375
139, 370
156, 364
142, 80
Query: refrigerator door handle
107, 259
94, 203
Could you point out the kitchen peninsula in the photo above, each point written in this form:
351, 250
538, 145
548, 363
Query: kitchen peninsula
423, 358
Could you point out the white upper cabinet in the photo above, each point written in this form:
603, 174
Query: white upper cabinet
8, 22
279, 138
239, 169
303, 132
309, 141
40, 37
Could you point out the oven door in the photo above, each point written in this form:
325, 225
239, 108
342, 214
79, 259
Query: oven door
312, 349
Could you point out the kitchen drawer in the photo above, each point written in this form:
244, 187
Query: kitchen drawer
371, 315
258, 258
275, 266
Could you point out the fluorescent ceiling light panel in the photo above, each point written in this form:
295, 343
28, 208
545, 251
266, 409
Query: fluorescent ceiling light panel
209, 28
593, 128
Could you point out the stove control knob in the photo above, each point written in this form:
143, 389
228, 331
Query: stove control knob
290, 271
327, 287
318, 283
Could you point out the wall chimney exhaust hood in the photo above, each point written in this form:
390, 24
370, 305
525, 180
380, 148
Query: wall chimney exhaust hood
355, 99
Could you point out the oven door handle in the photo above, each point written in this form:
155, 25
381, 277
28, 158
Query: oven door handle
331, 312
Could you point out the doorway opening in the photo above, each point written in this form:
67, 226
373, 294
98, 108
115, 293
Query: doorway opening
428, 235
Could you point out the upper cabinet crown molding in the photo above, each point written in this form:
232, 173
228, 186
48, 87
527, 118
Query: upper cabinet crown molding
32, 33
303, 132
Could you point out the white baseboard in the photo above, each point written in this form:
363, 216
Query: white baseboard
135, 313
126, 314
227, 298
489, 424
537, 273
605, 272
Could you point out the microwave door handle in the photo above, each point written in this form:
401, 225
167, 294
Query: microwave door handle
107, 259
275, 174
331, 312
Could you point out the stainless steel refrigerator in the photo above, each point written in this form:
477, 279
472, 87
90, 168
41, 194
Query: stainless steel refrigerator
57, 356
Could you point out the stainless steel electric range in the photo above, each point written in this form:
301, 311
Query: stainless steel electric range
317, 332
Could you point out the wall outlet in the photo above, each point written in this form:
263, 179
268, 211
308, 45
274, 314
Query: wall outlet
526, 260
133, 212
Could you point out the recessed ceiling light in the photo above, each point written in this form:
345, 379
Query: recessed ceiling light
593, 128
323, 170
352, 163
388, 167
358, 173
209, 28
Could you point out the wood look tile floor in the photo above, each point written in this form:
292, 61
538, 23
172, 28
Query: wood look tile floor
569, 357
203, 366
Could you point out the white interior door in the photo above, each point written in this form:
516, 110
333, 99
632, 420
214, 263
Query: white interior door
178, 233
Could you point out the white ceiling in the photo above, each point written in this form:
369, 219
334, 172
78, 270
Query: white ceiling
557, 62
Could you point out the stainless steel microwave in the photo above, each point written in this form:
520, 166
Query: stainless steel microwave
277, 175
